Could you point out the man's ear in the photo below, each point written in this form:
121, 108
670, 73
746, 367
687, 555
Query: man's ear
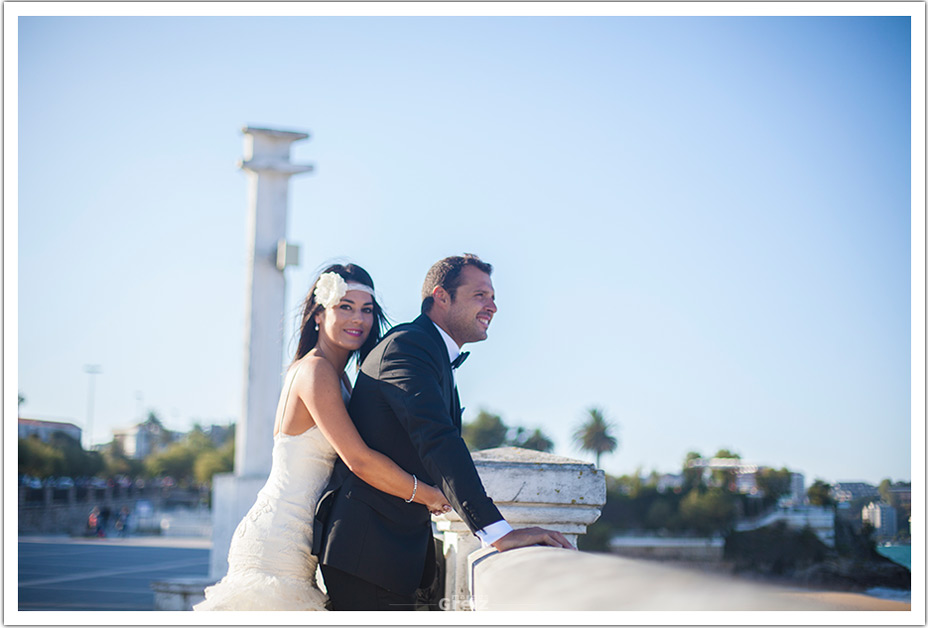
441, 295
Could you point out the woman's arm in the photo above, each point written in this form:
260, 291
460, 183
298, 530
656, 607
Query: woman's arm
317, 385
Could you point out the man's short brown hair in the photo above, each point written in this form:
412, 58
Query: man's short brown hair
447, 274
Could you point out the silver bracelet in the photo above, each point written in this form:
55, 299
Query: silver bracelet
415, 487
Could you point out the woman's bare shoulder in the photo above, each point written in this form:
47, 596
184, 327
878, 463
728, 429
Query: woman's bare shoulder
314, 373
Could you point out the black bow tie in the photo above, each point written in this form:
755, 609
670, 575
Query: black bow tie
458, 361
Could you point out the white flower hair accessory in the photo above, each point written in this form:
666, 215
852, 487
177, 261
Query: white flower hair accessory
331, 287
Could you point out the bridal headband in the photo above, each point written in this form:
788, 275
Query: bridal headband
331, 287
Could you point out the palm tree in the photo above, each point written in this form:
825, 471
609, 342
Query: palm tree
595, 434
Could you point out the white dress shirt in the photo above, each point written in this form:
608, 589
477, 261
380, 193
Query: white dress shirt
497, 530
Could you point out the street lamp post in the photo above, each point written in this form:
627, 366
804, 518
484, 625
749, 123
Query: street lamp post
91, 370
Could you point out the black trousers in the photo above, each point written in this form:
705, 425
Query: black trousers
350, 593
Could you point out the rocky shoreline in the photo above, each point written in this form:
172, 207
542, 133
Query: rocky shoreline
798, 558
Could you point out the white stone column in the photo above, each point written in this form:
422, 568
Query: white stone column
267, 163
530, 488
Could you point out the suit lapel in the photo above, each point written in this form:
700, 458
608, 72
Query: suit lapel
456, 410
449, 390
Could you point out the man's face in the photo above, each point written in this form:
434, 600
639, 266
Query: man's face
472, 308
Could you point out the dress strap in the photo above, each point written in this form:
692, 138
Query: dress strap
278, 421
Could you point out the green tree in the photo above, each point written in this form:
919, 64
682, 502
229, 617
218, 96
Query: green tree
820, 494
39, 459
162, 435
175, 461
214, 461
660, 514
537, 440
885, 492
595, 434
725, 478
486, 431
194, 458
116, 462
62, 455
774, 483
708, 512
75, 461
692, 476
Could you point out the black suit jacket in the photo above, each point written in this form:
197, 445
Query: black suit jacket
405, 406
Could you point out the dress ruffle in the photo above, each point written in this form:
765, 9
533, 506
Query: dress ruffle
258, 591
271, 566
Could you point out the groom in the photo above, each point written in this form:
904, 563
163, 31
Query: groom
376, 549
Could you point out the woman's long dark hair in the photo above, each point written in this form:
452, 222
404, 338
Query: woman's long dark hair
309, 335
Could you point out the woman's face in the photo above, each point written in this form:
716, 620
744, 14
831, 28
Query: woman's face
348, 323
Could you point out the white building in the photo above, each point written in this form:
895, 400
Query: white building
44, 429
797, 486
882, 517
143, 439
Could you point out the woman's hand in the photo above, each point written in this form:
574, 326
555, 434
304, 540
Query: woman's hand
433, 499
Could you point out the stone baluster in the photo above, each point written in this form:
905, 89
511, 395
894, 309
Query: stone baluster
530, 488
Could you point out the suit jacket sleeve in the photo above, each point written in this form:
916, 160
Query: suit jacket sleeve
410, 381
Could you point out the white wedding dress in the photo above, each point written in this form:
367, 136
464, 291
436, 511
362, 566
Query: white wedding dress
270, 564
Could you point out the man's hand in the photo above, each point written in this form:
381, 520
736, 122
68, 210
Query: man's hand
523, 537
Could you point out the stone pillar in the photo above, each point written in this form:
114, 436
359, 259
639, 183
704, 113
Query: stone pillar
530, 488
267, 163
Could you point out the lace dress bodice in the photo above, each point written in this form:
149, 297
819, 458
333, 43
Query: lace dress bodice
271, 566
276, 534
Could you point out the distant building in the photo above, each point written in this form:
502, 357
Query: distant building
143, 439
44, 429
849, 491
745, 478
901, 496
218, 434
882, 517
797, 486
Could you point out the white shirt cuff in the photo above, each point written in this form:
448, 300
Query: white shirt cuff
494, 532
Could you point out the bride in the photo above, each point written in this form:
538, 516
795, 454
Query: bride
270, 564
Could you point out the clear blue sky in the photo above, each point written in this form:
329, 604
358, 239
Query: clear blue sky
700, 224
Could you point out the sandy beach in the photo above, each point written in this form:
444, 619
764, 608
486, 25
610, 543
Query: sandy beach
842, 601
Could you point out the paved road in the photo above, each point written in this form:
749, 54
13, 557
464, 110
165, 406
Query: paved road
57, 573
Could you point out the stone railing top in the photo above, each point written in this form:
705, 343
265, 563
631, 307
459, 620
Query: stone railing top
525, 476
549, 579
505, 455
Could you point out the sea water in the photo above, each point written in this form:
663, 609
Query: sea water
901, 555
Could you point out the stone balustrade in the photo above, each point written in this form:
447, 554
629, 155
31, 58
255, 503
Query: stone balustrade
530, 488
537, 489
